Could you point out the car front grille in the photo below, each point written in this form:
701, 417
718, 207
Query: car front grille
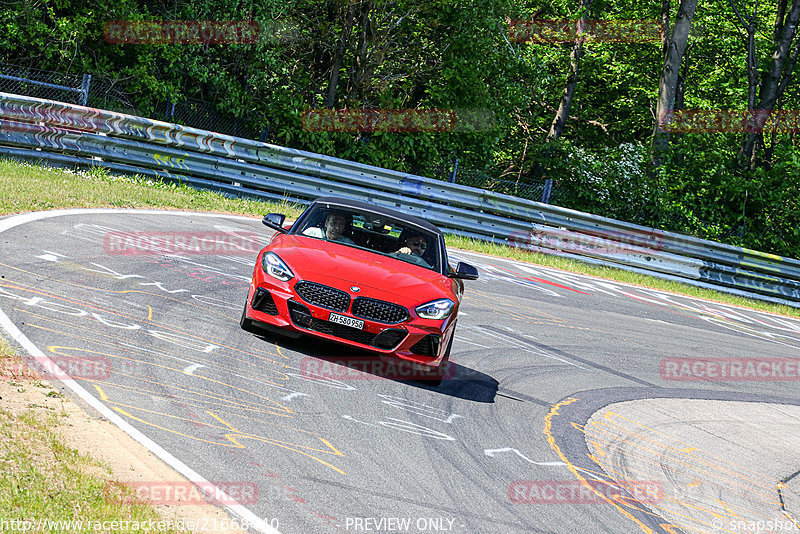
323, 296
301, 316
388, 339
379, 310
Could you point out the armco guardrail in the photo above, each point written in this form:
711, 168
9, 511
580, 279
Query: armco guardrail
69, 135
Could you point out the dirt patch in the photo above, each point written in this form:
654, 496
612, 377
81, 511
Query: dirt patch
129, 461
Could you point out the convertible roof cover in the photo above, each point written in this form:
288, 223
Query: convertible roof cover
372, 208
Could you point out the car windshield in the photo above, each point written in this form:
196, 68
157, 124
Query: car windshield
370, 231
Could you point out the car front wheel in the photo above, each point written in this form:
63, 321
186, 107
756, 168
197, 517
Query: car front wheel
248, 325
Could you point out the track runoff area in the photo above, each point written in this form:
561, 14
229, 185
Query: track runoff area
572, 404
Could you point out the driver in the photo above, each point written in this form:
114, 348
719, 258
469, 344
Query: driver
414, 245
336, 223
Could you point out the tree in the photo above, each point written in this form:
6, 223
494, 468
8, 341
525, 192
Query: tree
776, 77
572, 77
674, 47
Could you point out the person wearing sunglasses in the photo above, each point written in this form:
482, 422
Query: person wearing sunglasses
413, 245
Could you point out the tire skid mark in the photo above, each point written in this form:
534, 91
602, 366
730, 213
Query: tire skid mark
231, 438
121, 341
123, 315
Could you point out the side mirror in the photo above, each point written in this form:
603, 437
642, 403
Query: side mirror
275, 221
465, 271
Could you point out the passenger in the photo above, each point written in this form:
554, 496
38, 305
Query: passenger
336, 224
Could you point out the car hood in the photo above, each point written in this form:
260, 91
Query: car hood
342, 266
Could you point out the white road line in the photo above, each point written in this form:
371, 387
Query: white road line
192, 368
541, 352
290, 396
517, 332
464, 340
510, 341
51, 256
237, 510
208, 268
492, 452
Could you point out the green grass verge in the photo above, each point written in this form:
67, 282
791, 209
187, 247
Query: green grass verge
42, 479
618, 275
26, 187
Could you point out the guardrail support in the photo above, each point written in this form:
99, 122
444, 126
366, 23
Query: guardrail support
61, 133
84, 94
548, 187
455, 170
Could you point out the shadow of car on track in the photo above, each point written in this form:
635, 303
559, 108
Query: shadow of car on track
324, 360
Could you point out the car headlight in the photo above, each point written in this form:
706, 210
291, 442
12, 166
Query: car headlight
436, 309
274, 266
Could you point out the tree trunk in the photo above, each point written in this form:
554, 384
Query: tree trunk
560, 120
680, 87
674, 50
360, 75
338, 58
777, 75
749, 26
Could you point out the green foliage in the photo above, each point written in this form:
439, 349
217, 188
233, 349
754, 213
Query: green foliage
609, 181
704, 193
407, 54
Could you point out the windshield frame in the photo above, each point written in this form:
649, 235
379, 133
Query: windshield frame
310, 219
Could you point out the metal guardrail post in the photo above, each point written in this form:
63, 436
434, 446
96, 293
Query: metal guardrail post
63, 133
84, 95
455, 171
41, 84
82, 92
548, 186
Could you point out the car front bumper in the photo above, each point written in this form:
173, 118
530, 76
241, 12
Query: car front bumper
417, 340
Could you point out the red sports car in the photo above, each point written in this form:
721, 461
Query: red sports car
362, 275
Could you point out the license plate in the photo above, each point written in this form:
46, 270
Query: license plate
347, 321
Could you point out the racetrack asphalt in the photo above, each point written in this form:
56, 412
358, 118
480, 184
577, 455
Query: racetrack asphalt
510, 443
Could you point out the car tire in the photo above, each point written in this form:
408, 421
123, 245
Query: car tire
248, 325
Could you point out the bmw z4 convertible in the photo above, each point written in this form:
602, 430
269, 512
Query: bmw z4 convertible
362, 275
